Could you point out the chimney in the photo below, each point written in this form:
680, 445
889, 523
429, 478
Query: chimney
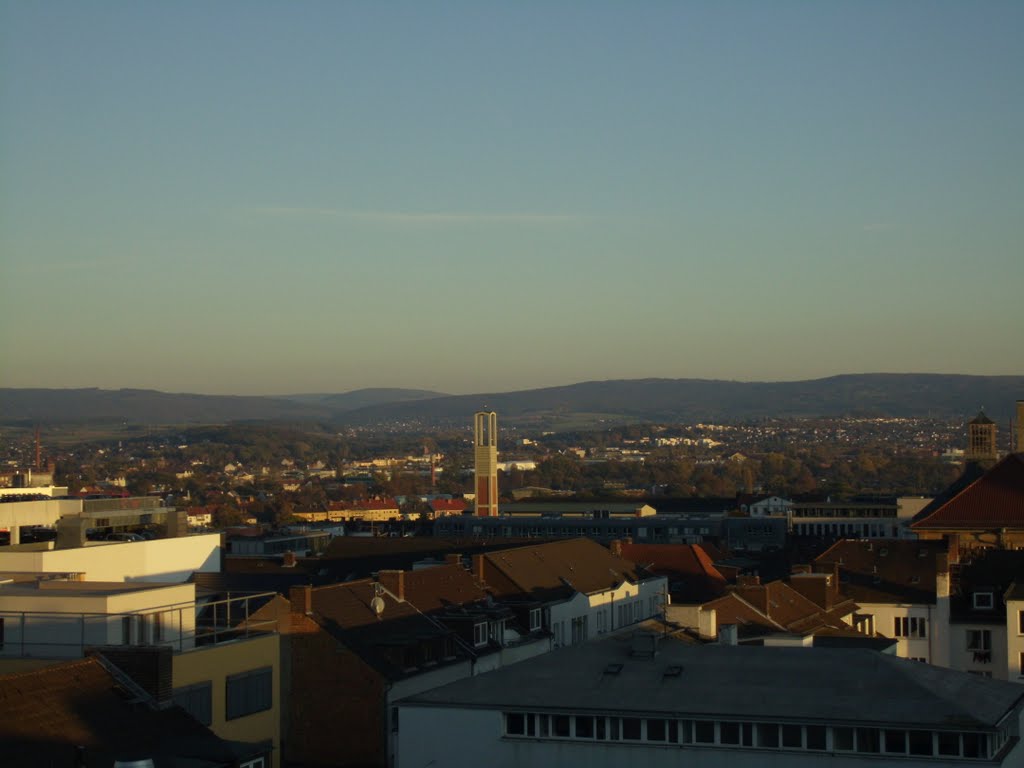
727, 634
748, 581
289, 560
453, 559
478, 568
616, 548
301, 599
393, 582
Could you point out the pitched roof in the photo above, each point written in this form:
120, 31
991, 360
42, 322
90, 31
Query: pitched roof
557, 569
431, 589
346, 612
448, 505
885, 570
46, 713
790, 609
994, 500
693, 577
981, 418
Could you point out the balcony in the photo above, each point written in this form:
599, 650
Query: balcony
181, 627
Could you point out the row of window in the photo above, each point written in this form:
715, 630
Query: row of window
244, 694
757, 735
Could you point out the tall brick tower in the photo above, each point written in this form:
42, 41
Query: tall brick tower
485, 454
981, 439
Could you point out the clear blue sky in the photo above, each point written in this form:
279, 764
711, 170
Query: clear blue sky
270, 197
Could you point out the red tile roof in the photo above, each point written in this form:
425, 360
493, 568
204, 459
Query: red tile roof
448, 505
690, 570
995, 500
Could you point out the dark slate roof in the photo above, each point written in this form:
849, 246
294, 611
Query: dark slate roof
885, 570
994, 500
45, 714
344, 610
826, 685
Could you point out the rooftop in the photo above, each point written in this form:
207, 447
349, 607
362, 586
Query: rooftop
826, 685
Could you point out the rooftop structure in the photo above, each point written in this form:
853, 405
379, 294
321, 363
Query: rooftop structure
485, 462
661, 704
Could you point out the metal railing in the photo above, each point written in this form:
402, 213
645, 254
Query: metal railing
180, 626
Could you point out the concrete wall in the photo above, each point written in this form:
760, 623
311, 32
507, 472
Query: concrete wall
162, 560
930, 648
1014, 641
603, 610
214, 664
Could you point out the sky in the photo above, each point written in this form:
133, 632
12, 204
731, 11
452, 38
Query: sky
281, 197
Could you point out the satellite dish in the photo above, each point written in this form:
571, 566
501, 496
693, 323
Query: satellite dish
378, 605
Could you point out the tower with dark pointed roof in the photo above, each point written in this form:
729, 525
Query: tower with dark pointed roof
981, 439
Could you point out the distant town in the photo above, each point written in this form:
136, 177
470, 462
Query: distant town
809, 591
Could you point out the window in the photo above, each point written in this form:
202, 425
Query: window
816, 736
534, 619
249, 692
480, 634
1020, 622
792, 736
655, 729
979, 640
560, 726
197, 700
126, 630
729, 733
1, 633
920, 742
704, 732
910, 626
767, 735
584, 727
984, 601
868, 740
631, 728
895, 741
842, 739
258, 762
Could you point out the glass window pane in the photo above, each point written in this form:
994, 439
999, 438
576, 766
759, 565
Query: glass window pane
842, 739
974, 744
515, 724
949, 743
686, 731
792, 736
815, 736
601, 730
560, 725
673, 731
868, 740
655, 729
895, 741
584, 727
767, 735
729, 733
920, 742
704, 732
631, 728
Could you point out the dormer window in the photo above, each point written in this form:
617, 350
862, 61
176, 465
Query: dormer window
535, 619
480, 634
984, 601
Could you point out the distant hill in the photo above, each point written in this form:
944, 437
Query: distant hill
145, 406
690, 400
363, 398
944, 396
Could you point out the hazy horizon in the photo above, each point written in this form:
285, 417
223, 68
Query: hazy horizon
260, 197
311, 393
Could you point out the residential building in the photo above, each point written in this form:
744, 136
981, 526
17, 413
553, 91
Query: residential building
878, 518
982, 509
640, 701
902, 590
582, 590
